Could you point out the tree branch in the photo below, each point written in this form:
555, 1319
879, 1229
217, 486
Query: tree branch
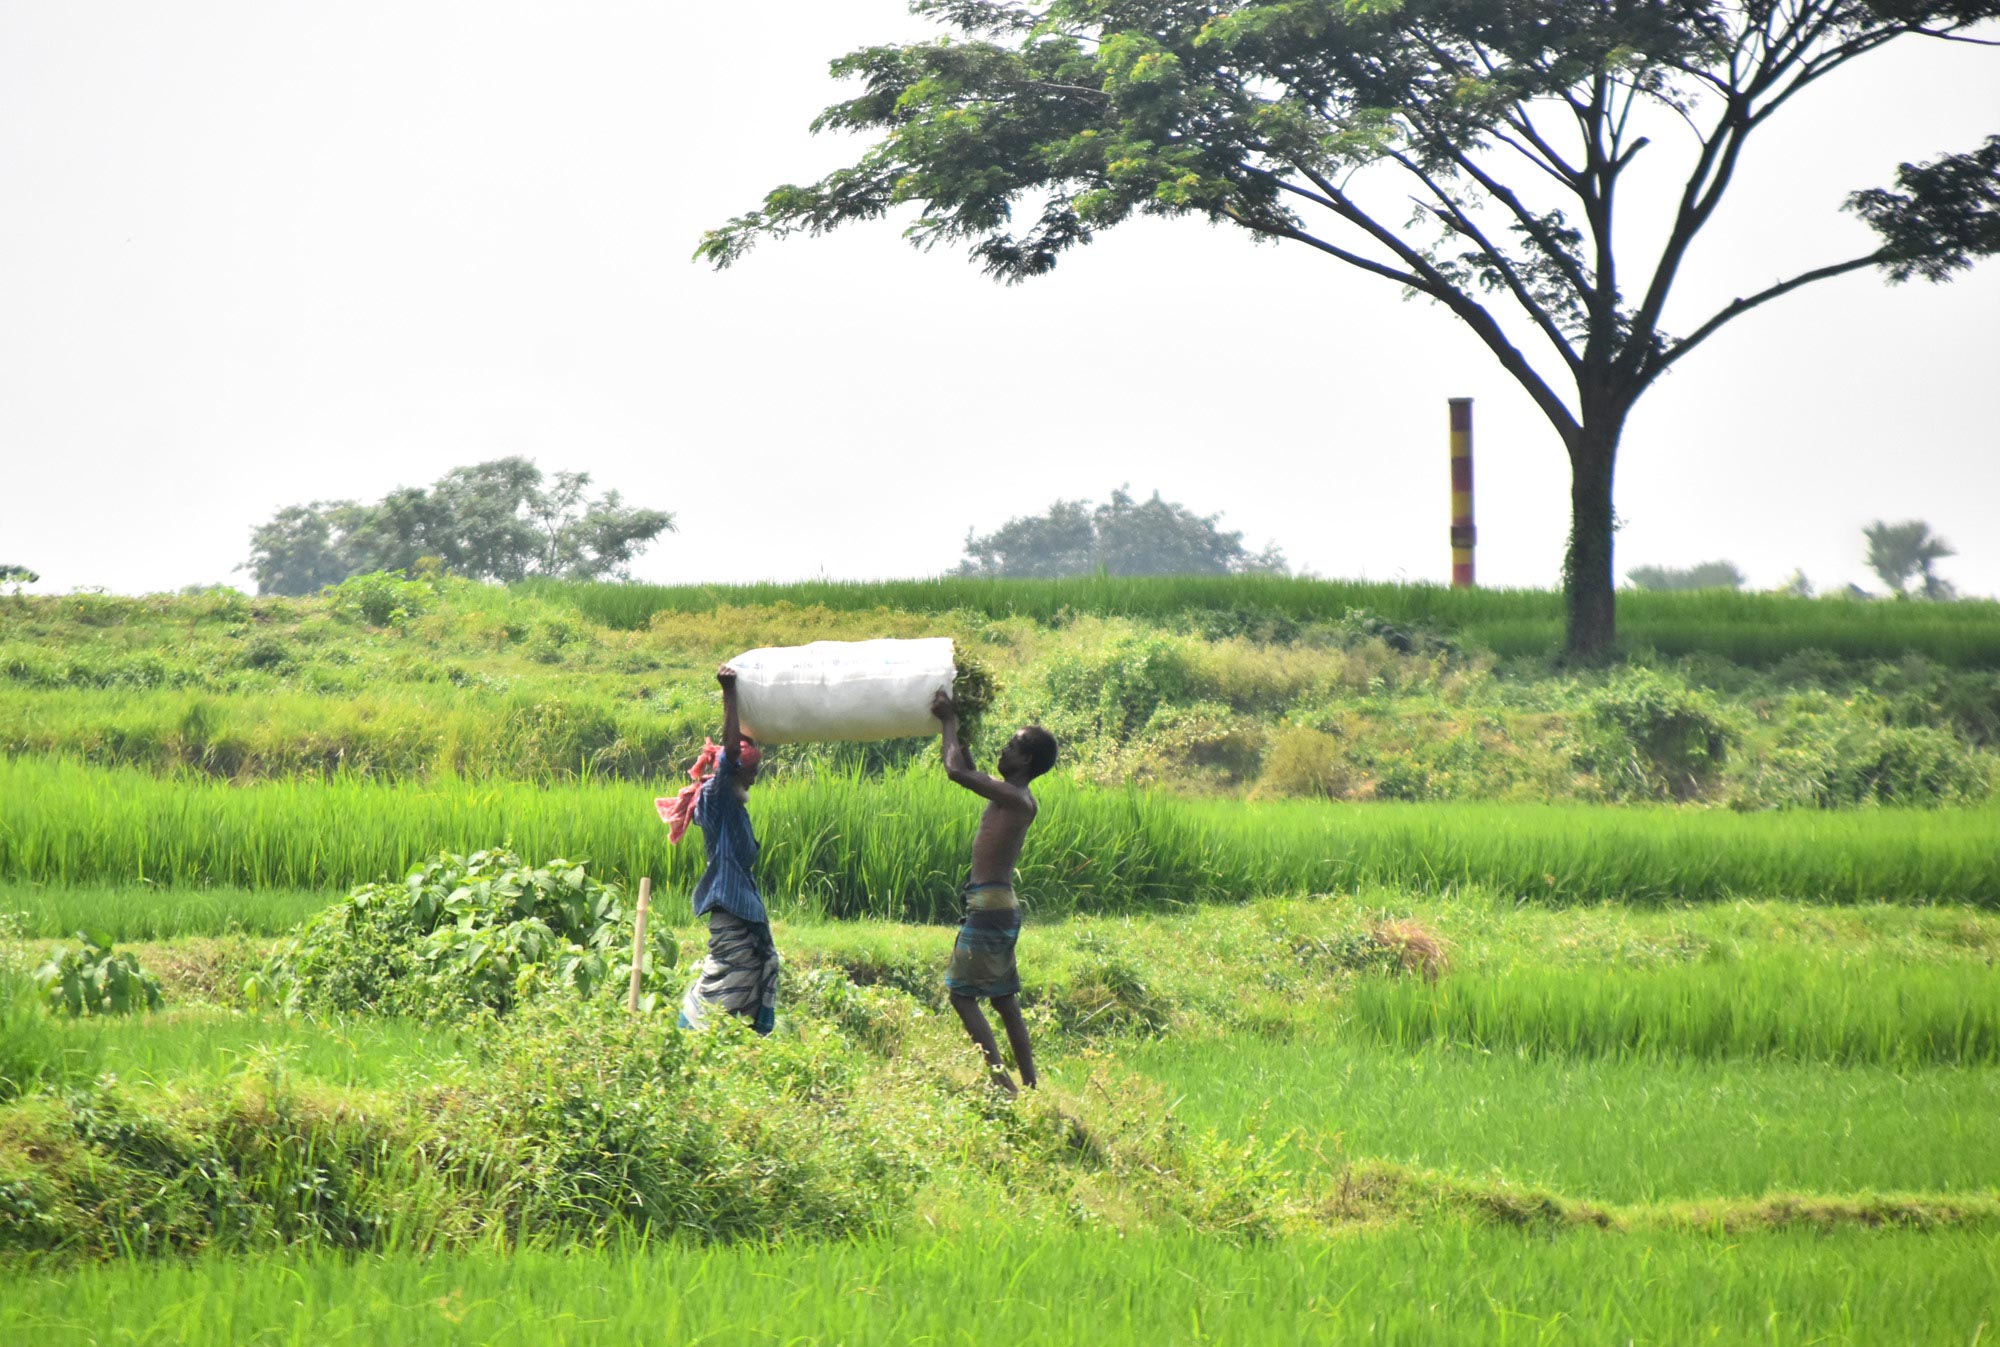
1440, 288
1737, 308
1464, 224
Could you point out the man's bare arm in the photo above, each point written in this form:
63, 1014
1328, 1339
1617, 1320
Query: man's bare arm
732, 730
958, 763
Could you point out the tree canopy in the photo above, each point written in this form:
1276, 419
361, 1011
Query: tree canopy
1512, 124
500, 520
1123, 536
1703, 575
1900, 553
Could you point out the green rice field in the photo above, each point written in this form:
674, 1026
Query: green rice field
1037, 1287
1517, 1066
1747, 628
895, 846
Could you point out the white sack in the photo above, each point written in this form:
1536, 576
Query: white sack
842, 689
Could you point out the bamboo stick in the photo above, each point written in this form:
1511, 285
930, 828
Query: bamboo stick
639, 942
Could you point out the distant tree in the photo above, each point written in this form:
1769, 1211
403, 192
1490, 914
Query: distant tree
1122, 537
1479, 153
17, 576
1707, 575
491, 521
1796, 585
1902, 552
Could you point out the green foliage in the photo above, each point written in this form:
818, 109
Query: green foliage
1116, 689
1759, 630
1824, 756
34, 1050
1841, 1013
1706, 575
464, 933
1430, 1282
92, 979
1120, 537
1190, 687
491, 521
1899, 553
1305, 762
1649, 736
381, 598
896, 845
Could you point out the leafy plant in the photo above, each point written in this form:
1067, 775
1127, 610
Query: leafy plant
1650, 736
463, 933
380, 598
94, 980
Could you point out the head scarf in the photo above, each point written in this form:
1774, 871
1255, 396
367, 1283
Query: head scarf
678, 811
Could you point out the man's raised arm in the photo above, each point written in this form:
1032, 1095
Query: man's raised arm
958, 763
732, 731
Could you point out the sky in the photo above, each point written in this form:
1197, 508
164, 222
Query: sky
258, 254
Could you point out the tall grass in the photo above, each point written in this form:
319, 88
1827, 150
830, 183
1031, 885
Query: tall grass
125, 912
1605, 1129
1055, 1288
35, 1050
897, 846
174, 1048
1839, 1012
1747, 628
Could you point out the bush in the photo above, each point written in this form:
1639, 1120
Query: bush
380, 598
1304, 762
1117, 690
1207, 737
463, 933
1827, 754
1649, 736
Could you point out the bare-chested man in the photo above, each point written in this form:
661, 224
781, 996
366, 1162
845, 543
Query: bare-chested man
982, 959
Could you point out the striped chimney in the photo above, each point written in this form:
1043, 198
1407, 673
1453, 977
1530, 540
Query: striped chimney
1462, 532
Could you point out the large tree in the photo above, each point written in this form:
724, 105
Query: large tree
497, 520
1511, 123
1123, 536
1900, 553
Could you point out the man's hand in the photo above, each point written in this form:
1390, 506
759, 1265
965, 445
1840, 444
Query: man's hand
726, 676
942, 708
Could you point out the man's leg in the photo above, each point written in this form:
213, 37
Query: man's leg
1017, 1038
975, 1024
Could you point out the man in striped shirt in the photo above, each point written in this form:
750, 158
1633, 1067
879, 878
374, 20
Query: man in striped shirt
740, 974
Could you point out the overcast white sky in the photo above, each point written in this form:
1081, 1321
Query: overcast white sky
253, 254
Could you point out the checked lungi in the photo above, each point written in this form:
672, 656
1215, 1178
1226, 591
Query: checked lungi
740, 974
982, 958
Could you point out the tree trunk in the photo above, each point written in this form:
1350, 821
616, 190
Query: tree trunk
1588, 585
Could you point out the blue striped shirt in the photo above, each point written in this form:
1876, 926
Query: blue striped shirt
730, 881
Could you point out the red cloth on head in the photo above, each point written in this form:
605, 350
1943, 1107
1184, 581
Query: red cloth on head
677, 812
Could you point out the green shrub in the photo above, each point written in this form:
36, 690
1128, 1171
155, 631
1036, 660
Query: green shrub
1117, 689
1304, 762
93, 980
462, 933
1647, 735
1827, 753
1206, 739
380, 598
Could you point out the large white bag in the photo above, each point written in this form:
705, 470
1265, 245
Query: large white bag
793, 694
